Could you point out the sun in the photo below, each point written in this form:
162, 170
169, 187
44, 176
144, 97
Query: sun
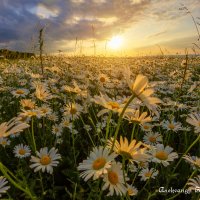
115, 42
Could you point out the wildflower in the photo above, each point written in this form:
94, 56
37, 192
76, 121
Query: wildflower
152, 138
42, 92
131, 190
136, 117
73, 110
114, 180
57, 130
193, 160
22, 151
140, 90
194, 183
146, 126
27, 104
163, 154
194, 120
108, 103
97, 163
44, 110
21, 92
12, 127
133, 151
45, 160
4, 142
148, 173
171, 125
3, 187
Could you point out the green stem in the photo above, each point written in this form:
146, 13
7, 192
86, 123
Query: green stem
120, 120
186, 153
16, 182
108, 124
183, 186
32, 134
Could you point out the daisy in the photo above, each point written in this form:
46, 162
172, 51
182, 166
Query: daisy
146, 127
136, 117
140, 90
193, 160
53, 117
133, 151
102, 78
27, 104
42, 92
152, 138
108, 103
97, 163
57, 130
148, 173
73, 110
3, 188
194, 120
22, 151
194, 183
66, 122
4, 142
131, 190
21, 92
114, 180
172, 125
163, 154
45, 160
12, 127
44, 110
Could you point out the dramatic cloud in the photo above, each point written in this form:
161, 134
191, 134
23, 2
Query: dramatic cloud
68, 20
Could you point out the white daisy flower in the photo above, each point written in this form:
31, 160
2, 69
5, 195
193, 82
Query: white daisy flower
4, 142
163, 154
114, 180
97, 163
57, 129
194, 183
194, 120
148, 173
152, 138
21, 92
3, 188
46, 160
22, 151
172, 125
131, 190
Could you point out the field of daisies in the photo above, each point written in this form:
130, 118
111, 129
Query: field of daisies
100, 128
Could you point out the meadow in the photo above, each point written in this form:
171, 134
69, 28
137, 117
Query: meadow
100, 128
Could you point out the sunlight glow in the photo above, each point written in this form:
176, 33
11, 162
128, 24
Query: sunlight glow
115, 42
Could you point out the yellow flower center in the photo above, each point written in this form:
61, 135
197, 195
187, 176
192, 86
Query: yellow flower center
114, 105
99, 163
19, 92
4, 142
45, 160
146, 127
130, 192
22, 152
198, 123
162, 155
148, 174
73, 110
171, 126
152, 139
102, 79
142, 164
113, 177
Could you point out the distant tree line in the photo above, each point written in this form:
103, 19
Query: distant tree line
8, 54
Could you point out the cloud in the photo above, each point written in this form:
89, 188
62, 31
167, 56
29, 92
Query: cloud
67, 20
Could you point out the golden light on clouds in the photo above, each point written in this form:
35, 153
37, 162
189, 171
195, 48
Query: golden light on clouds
115, 42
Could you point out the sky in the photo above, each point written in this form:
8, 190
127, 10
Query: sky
86, 27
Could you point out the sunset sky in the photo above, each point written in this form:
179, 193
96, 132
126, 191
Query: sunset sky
73, 26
